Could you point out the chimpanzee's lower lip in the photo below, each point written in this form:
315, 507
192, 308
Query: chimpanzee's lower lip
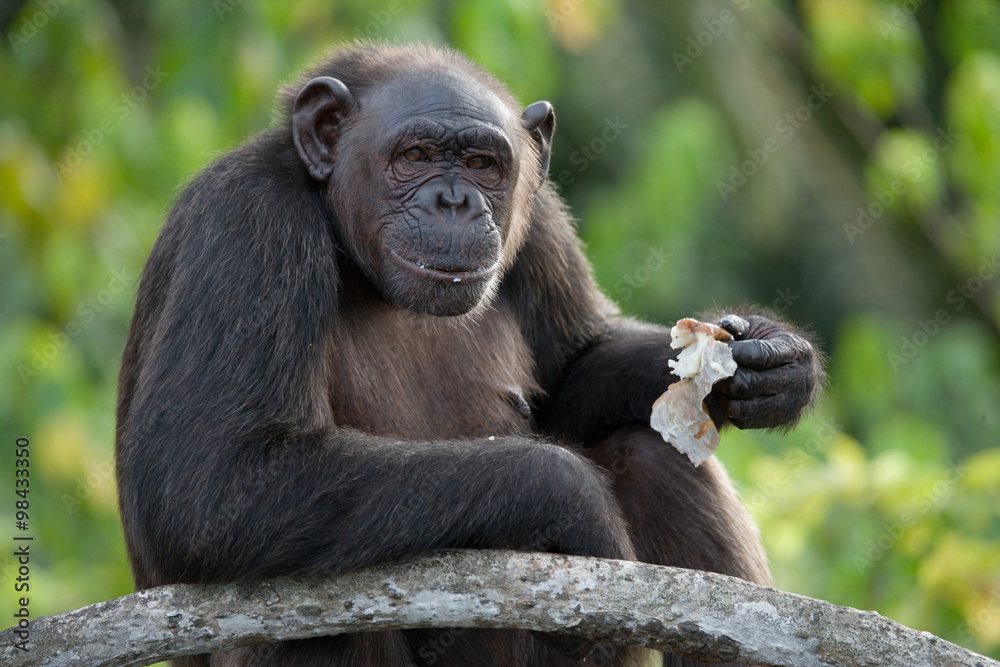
422, 269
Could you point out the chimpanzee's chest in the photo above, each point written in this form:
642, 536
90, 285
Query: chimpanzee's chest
411, 376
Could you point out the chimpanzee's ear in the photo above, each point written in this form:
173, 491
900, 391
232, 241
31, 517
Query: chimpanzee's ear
320, 108
540, 121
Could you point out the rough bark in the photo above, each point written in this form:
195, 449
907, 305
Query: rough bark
695, 614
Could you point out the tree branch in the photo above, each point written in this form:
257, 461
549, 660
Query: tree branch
694, 614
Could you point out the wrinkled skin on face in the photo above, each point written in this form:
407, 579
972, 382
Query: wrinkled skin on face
427, 201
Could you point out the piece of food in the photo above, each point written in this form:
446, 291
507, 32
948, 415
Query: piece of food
679, 414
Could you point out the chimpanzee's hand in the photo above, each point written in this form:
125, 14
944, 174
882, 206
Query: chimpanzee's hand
777, 376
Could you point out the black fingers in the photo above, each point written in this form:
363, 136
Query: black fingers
749, 383
762, 399
777, 376
765, 411
735, 325
761, 353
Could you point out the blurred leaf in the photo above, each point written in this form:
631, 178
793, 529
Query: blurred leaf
871, 49
973, 100
906, 167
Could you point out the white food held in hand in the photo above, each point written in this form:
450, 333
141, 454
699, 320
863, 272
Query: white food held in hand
679, 414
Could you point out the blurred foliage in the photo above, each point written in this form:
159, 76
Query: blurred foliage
835, 160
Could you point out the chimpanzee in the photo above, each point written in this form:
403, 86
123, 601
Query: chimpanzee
370, 332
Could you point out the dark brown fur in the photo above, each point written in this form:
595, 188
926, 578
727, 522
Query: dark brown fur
277, 415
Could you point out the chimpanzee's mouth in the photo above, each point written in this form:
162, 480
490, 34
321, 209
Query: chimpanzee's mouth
449, 274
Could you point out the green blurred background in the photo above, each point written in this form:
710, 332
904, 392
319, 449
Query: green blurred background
835, 160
